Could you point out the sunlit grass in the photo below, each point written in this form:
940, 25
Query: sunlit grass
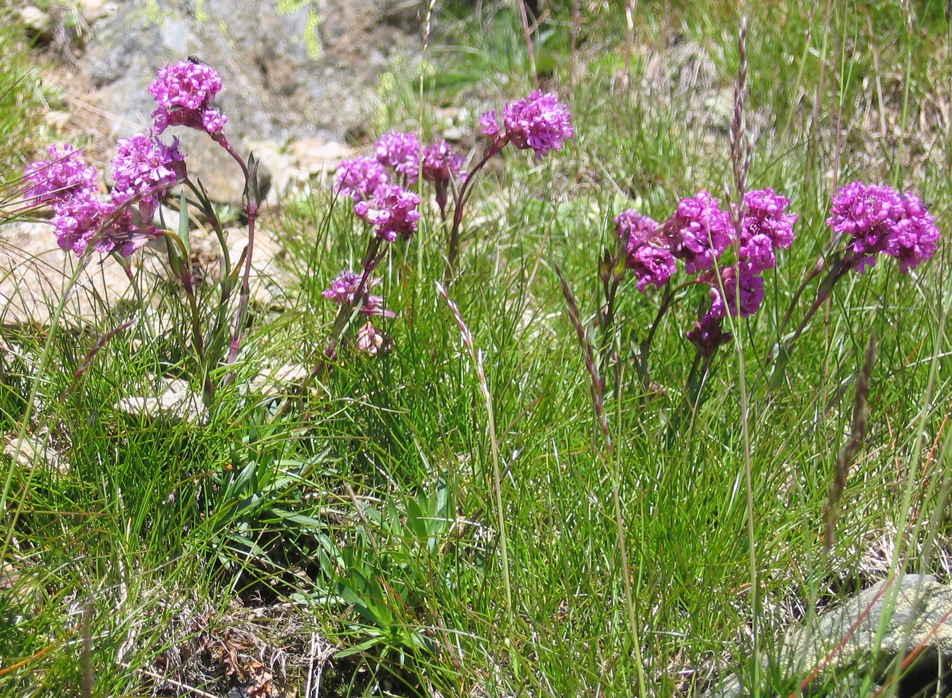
364, 515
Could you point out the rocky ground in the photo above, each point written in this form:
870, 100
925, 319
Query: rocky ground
299, 92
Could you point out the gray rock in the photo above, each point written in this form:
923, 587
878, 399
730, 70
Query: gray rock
287, 74
36, 22
173, 400
866, 635
34, 451
34, 272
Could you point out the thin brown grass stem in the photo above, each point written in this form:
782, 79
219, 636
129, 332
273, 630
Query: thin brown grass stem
740, 161
530, 51
847, 454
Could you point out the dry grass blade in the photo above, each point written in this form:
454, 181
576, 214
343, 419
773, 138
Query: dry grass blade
847, 454
597, 384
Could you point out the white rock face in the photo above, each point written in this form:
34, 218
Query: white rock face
35, 272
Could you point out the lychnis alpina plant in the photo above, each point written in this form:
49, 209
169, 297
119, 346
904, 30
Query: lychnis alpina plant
539, 123
699, 233
866, 221
379, 186
145, 170
391, 212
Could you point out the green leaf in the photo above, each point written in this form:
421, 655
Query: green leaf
183, 225
416, 520
357, 649
299, 519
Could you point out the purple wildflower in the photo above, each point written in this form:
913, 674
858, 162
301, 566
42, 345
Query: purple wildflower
488, 124
698, 232
213, 121
77, 220
344, 288
392, 211
635, 228
440, 163
85, 217
58, 178
539, 122
652, 264
751, 292
914, 236
867, 214
880, 219
766, 226
401, 151
184, 93
360, 177
147, 168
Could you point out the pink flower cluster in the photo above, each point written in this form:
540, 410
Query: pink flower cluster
440, 163
872, 219
143, 169
184, 93
401, 152
878, 219
360, 177
698, 233
388, 207
343, 290
652, 262
538, 122
392, 211
65, 174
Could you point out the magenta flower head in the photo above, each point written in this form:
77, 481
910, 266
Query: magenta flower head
77, 220
867, 215
539, 122
698, 232
488, 124
751, 291
85, 219
184, 93
62, 176
146, 168
635, 228
766, 227
392, 210
878, 219
914, 236
401, 151
343, 290
360, 177
80, 216
652, 264
440, 163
